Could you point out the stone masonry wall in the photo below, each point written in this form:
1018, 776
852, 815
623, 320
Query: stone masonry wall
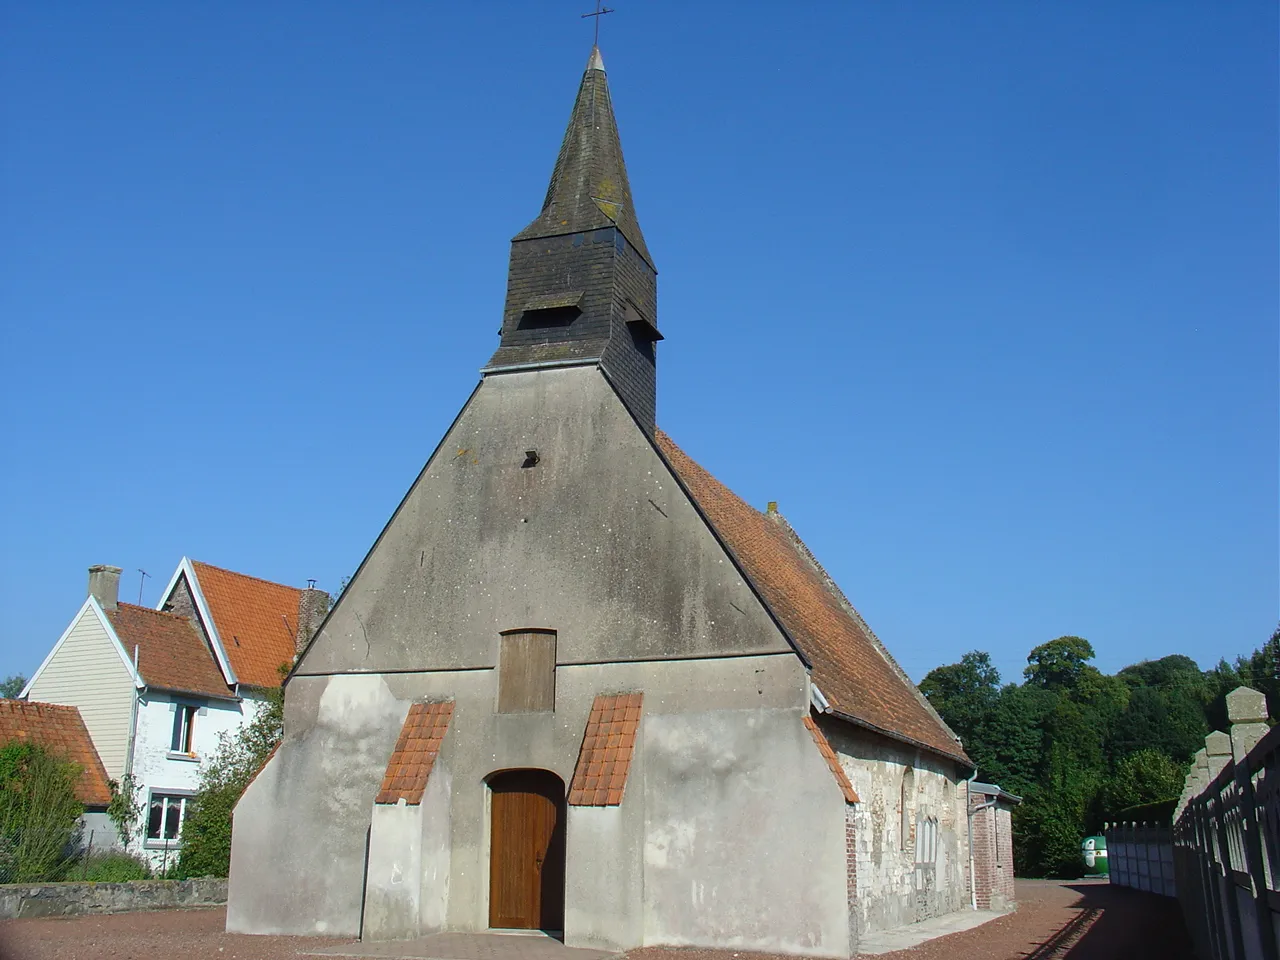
895, 882
73, 899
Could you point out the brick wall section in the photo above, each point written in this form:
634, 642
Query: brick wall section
851, 872
181, 601
313, 604
992, 855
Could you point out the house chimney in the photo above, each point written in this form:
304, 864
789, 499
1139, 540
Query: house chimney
313, 604
104, 585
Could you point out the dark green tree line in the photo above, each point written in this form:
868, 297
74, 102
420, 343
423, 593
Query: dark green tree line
1081, 746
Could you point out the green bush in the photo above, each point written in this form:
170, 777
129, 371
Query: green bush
39, 813
113, 866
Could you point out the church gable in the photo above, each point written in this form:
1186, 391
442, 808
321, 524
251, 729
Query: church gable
545, 507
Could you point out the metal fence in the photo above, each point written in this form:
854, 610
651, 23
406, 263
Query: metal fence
1226, 838
1140, 856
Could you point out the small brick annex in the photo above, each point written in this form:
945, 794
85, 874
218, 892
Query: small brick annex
991, 813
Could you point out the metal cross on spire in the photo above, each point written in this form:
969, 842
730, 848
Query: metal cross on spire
600, 12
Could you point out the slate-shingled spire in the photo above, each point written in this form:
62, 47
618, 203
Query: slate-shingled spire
589, 187
581, 287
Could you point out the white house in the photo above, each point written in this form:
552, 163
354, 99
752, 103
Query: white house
158, 689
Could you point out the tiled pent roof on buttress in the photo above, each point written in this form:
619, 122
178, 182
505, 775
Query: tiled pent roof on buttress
415, 753
600, 778
172, 653
62, 732
257, 621
850, 667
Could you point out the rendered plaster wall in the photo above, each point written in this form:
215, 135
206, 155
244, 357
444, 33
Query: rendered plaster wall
604, 882
892, 888
407, 877
300, 831
729, 735
157, 769
393, 888
744, 835
596, 541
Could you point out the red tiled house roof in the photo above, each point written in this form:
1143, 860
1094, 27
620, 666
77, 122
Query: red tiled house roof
849, 665
60, 730
172, 653
256, 620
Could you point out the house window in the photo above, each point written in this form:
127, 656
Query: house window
184, 729
165, 816
527, 671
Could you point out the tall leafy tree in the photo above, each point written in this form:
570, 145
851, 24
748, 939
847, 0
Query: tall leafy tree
12, 685
965, 695
1146, 776
1058, 663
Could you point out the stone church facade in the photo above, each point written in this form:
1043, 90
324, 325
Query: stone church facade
577, 684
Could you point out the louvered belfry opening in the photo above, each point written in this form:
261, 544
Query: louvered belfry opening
581, 286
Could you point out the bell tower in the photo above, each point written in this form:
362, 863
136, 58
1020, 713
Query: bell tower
581, 286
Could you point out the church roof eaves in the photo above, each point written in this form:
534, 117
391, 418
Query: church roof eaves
860, 680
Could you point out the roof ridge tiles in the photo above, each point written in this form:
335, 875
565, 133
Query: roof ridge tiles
246, 576
158, 613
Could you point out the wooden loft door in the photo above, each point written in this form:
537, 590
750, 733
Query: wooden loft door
526, 852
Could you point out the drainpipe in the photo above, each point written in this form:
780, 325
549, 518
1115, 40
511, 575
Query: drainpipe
968, 806
133, 717
133, 721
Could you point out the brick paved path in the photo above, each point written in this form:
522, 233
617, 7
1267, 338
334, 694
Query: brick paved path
1085, 920
1054, 921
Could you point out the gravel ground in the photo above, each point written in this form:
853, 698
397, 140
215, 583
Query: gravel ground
162, 935
1054, 921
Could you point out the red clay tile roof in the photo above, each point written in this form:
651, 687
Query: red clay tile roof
853, 671
257, 621
172, 653
415, 753
829, 755
607, 746
60, 730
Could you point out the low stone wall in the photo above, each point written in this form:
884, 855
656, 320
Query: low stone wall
72, 899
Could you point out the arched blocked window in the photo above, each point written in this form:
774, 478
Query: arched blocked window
926, 840
908, 807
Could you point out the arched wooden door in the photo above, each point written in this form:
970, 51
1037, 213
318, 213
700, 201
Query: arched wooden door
526, 851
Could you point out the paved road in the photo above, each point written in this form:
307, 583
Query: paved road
1054, 921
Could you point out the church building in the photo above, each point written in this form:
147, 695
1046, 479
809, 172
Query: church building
578, 685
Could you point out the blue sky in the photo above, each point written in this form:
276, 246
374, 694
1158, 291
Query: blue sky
985, 295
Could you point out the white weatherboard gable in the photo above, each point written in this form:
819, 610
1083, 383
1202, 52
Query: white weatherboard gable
88, 669
206, 618
90, 605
